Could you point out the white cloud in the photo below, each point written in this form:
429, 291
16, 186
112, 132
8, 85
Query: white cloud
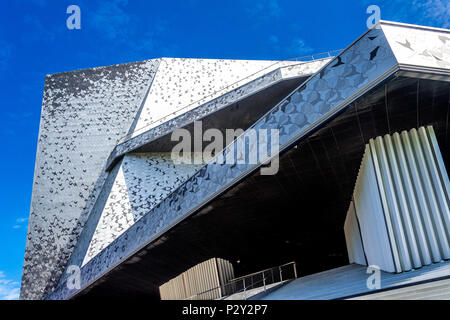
437, 11
9, 289
263, 11
299, 48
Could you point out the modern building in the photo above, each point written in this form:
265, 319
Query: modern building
360, 187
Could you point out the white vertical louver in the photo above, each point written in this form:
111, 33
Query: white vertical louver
399, 218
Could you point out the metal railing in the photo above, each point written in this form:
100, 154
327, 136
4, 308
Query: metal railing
250, 284
236, 84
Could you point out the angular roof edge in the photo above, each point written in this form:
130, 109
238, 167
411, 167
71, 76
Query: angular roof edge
408, 25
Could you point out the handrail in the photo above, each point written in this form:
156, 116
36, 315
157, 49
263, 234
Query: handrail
311, 56
245, 287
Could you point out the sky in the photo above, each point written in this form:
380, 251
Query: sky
35, 41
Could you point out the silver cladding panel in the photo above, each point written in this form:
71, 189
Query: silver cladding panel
143, 181
84, 114
414, 46
144, 135
184, 84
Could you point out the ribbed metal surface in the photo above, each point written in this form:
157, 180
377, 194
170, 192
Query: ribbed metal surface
370, 222
207, 275
411, 190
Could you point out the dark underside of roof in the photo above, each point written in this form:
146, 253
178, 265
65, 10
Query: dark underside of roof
297, 214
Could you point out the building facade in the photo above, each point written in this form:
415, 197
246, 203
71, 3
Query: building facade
113, 208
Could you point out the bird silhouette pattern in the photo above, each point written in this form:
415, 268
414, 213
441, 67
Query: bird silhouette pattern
84, 113
143, 181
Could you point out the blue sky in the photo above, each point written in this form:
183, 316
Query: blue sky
35, 41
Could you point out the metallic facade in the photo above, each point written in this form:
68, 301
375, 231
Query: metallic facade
85, 114
128, 209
